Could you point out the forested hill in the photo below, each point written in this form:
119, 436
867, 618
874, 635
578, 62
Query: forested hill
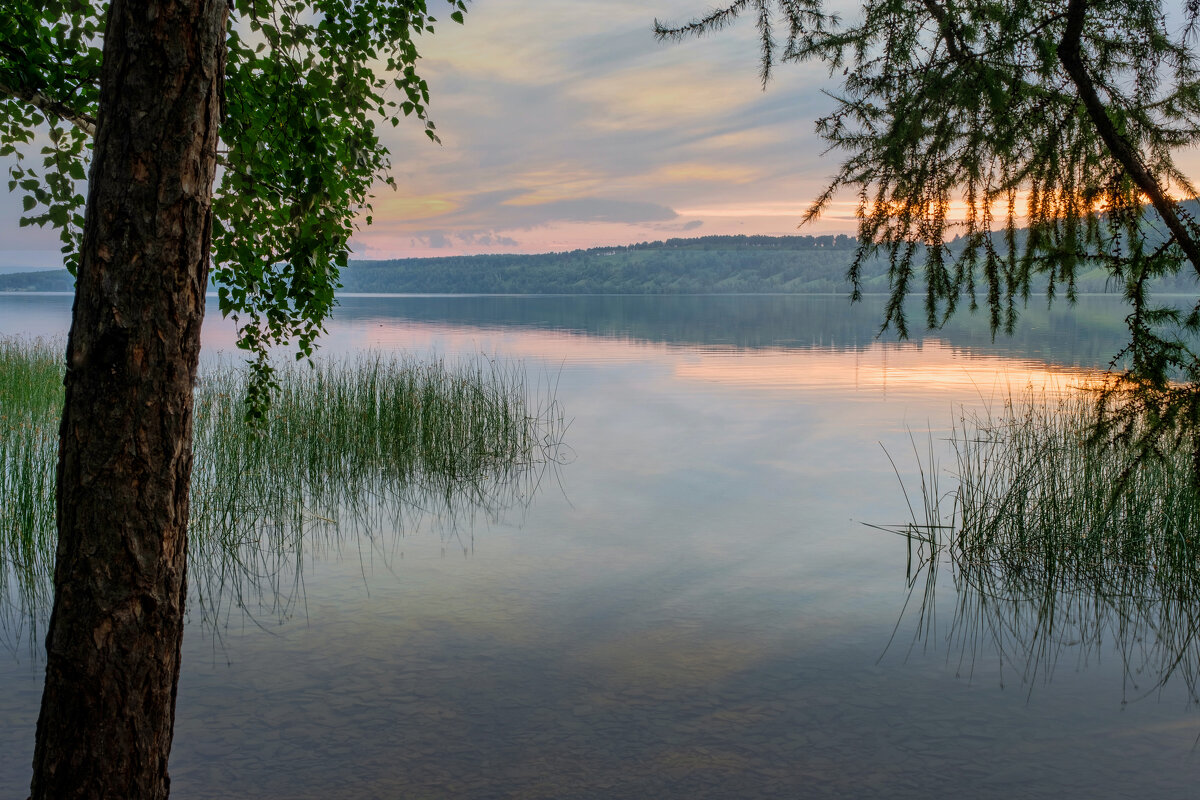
43, 280
702, 265
707, 264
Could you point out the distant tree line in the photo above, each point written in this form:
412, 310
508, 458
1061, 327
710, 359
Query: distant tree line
708, 264
701, 265
46, 280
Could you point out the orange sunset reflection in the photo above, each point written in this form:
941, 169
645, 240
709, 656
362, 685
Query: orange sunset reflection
928, 369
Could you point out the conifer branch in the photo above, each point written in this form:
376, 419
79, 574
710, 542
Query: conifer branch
1071, 57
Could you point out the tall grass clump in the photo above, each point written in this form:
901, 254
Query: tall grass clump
30, 405
1058, 542
370, 445
361, 444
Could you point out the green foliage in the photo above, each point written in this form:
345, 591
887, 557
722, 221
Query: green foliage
306, 81
49, 88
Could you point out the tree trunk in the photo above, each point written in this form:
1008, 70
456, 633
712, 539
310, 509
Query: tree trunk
125, 457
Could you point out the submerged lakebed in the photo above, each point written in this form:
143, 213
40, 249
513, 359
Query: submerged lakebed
691, 607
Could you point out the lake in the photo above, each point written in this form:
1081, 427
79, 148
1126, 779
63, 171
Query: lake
694, 602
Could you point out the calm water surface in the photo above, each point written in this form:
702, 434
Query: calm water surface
692, 607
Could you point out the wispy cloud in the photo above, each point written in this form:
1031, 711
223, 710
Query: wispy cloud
565, 124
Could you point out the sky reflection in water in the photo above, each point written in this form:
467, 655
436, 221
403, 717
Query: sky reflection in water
695, 610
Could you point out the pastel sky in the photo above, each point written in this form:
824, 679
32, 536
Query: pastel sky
565, 124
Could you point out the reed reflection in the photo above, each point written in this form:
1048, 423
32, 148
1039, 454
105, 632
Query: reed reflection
350, 455
1057, 549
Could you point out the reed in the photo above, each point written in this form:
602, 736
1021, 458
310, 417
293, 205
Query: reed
30, 405
1057, 543
368, 444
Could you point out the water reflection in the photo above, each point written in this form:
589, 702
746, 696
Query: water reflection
1087, 334
699, 614
1040, 619
1057, 551
250, 566
353, 456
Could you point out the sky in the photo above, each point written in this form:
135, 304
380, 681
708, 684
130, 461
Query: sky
565, 125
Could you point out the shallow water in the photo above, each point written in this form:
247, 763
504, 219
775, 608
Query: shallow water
691, 607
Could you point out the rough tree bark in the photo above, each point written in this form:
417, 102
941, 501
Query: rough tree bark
113, 646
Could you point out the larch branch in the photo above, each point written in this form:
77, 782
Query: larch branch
1071, 57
